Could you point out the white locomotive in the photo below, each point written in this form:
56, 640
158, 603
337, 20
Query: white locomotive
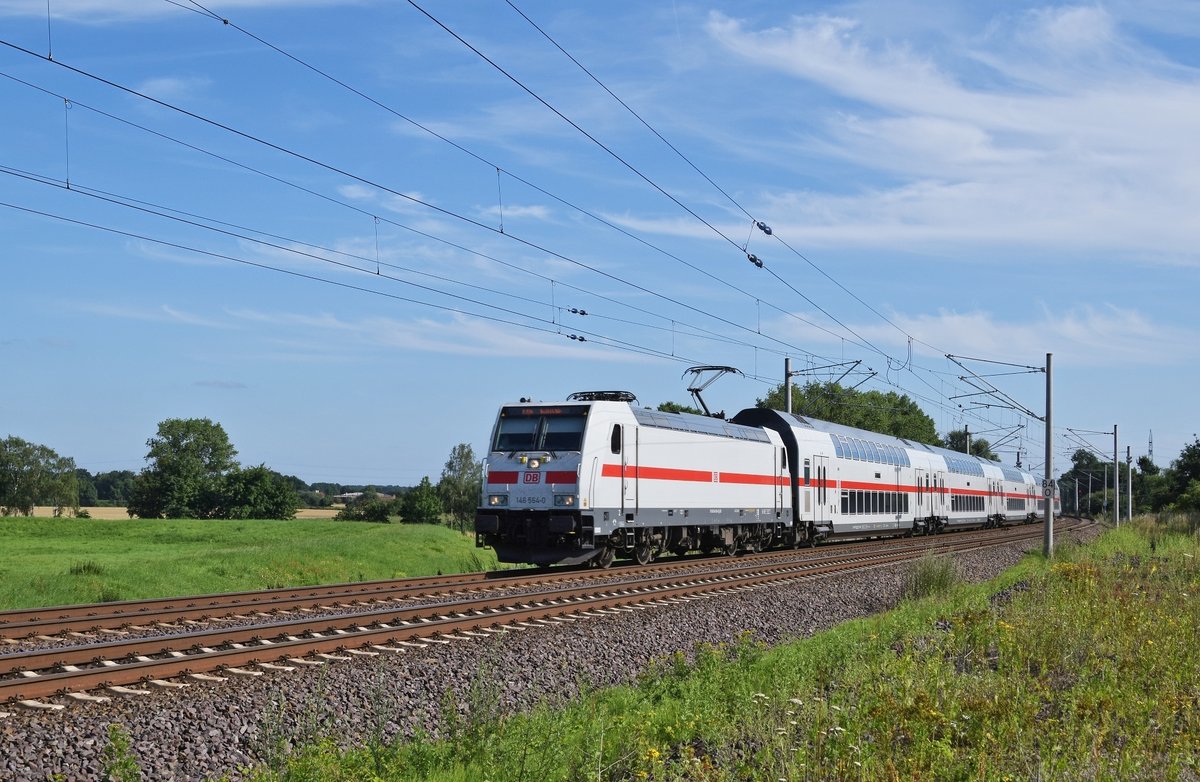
597, 476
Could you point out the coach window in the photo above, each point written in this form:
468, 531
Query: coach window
616, 438
783, 458
807, 473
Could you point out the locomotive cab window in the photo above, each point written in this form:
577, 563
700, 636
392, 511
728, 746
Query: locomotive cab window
615, 445
540, 428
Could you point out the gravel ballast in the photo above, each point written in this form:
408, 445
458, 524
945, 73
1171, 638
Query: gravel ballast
210, 729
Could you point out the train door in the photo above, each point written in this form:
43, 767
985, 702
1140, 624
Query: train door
821, 476
921, 498
940, 501
782, 477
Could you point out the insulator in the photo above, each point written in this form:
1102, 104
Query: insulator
764, 227
754, 260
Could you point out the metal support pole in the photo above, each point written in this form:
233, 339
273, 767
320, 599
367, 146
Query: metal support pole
967, 432
1048, 491
787, 384
1129, 488
1116, 482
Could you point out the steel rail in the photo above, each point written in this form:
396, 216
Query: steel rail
83, 618
127, 662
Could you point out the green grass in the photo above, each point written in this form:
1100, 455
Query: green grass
1085, 668
62, 561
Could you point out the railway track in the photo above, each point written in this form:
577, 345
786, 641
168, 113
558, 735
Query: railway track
161, 613
82, 669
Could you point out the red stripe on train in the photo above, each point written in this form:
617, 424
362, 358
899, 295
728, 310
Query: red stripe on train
550, 476
691, 476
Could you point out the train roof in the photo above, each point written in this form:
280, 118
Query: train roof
955, 460
703, 424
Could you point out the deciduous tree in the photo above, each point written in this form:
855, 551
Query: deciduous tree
461, 484
188, 461
256, 493
956, 440
422, 504
875, 411
675, 407
32, 474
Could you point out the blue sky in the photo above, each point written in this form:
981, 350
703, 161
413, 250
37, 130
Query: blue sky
993, 180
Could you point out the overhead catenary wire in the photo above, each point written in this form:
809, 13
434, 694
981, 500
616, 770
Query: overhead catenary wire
753, 259
755, 223
500, 170
366, 181
655, 313
548, 328
202, 222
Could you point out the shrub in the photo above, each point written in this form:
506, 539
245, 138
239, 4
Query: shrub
376, 510
929, 575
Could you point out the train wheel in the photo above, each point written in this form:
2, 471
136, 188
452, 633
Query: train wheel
642, 554
604, 559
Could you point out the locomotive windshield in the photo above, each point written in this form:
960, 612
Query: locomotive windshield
541, 428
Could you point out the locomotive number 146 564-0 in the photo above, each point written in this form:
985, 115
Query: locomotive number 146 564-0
532, 501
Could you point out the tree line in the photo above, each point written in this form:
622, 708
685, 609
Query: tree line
1155, 489
192, 473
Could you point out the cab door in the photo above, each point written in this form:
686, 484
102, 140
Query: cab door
629, 473
626, 457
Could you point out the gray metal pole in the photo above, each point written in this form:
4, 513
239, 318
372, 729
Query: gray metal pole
1129, 488
787, 384
1048, 490
1116, 482
967, 432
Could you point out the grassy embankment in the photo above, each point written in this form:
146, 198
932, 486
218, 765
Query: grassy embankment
1080, 669
62, 561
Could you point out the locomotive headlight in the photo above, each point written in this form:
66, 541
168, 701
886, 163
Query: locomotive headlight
564, 500
535, 463
497, 499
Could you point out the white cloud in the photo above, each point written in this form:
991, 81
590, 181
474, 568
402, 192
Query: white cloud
164, 313
518, 212
1083, 336
173, 89
1073, 137
455, 335
357, 192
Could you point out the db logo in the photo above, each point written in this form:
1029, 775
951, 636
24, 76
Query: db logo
533, 477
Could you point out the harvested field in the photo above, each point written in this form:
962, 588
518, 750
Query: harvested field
110, 514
